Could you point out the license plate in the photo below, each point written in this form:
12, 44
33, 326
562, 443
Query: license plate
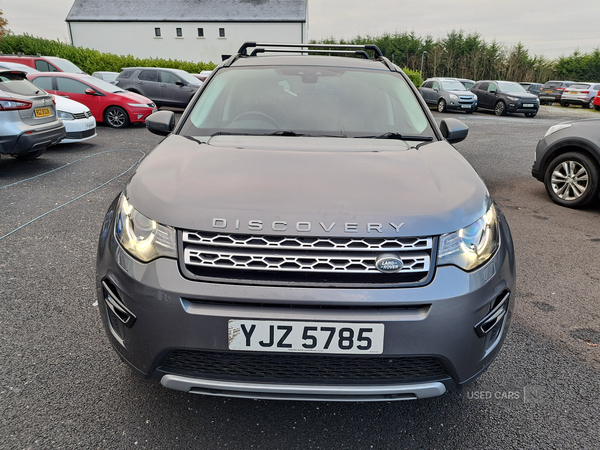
89, 125
306, 337
42, 112
528, 105
573, 92
465, 106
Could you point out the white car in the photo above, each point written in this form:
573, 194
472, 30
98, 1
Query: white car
77, 118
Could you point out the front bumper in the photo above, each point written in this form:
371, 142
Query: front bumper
138, 115
79, 130
519, 107
169, 324
454, 105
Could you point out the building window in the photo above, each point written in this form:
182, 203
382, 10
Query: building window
222, 32
179, 32
157, 32
200, 32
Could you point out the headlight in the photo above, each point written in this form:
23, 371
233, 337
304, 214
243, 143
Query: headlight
140, 105
555, 128
514, 99
65, 115
142, 237
472, 246
453, 97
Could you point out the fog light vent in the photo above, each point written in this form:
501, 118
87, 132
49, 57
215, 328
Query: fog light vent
495, 316
119, 317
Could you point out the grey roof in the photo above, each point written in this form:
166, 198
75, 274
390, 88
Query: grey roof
188, 11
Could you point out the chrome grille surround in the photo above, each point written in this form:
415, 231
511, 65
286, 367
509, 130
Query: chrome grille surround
223, 256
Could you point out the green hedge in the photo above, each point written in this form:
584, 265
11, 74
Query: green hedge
87, 59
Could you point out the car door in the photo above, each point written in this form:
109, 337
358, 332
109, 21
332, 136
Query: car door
148, 85
425, 90
76, 90
483, 95
174, 90
435, 92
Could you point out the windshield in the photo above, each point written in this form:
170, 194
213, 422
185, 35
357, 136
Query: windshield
453, 86
15, 83
187, 77
307, 100
101, 84
509, 86
66, 66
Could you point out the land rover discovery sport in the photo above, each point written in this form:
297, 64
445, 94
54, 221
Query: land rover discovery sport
306, 231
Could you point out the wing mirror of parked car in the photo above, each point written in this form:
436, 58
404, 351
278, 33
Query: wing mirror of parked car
90, 92
492, 91
454, 130
161, 122
180, 83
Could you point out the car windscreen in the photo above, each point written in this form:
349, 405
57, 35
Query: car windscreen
307, 100
453, 86
101, 84
188, 78
16, 84
509, 86
66, 66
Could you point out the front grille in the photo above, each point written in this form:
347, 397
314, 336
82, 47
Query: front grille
333, 261
303, 369
83, 115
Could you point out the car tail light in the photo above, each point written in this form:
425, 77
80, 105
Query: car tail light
560, 89
53, 99
584, 92
10, 104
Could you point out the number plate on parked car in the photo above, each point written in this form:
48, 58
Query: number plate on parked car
465, 106
306, 337
42, 112
528, 105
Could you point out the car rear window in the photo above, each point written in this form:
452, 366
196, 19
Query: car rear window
552, 84
310, 100
16, 84
579, 86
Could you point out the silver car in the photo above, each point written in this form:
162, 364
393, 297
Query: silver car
448, 94
280, 243
580, 94
28, 121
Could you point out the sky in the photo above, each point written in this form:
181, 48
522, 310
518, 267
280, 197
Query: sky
550, 28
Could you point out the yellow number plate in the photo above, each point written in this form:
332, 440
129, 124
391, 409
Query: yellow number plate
42, 112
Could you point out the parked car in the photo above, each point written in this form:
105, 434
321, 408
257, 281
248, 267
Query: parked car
109, 104
109, 77
448, 94
234, 262
166, 87
28, 121
532, 88
202, 76
580, 94
43, 63
552, 91
466, 82
77, 118
567, 161
505, 97
17, 66
597, 102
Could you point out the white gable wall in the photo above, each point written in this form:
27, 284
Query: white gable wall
138, 39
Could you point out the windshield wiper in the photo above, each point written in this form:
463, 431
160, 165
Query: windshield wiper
398, 136
286, 133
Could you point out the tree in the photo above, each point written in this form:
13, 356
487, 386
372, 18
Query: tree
3, 24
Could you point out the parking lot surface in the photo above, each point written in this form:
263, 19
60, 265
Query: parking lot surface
62, 386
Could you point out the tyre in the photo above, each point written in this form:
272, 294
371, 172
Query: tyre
116, 117
500, 108
571, 180
565, 104
590, 104
441, 107
31, 155
531, 114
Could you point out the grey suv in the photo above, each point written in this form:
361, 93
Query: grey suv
506, 97
448, 94
28, 121
306, 231
165, 87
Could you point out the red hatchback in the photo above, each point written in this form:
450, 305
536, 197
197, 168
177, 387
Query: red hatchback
108, 103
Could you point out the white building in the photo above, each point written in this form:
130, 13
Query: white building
187, 30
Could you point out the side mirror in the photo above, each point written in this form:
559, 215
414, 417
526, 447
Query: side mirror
436, 89
161, 122
180, 83
454, 130
492, 91
90, 92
